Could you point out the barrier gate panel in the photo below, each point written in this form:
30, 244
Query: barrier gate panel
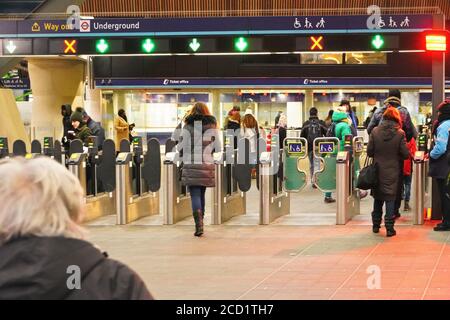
294, 150
326, 150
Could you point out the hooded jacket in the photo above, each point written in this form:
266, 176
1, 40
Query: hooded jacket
407, 125
342, 127
198, 166
387, 145
40, 268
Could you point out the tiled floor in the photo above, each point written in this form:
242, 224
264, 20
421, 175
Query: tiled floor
286, 260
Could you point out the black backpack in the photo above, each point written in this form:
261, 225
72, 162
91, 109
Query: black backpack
331, 132
314, 130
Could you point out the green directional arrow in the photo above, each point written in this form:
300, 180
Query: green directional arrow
102, 46
241, 44
378, 42
148, 45
194, 44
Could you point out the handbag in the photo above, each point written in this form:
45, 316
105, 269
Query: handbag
368, 176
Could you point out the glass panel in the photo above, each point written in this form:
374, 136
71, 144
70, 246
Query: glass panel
366, 58
321, 58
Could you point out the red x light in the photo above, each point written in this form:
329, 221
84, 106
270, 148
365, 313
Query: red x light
436, 40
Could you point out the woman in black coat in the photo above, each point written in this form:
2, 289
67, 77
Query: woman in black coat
200, 139
387, 145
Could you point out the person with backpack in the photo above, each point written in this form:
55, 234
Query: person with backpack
439, 162
394, 101
312, 129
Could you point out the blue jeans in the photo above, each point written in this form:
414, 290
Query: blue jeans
407, 188
377, 212
197, 198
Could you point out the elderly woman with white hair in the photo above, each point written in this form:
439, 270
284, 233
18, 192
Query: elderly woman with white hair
42, 251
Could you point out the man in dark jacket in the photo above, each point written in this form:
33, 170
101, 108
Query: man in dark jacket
66, 112
312, 129
94, 126
82, 132
45, 268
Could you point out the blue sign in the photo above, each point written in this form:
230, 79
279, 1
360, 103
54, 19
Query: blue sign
266, 82
215, 26
15, 83
295, 148
326, 147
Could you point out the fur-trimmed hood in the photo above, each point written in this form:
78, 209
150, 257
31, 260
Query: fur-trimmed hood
206, 120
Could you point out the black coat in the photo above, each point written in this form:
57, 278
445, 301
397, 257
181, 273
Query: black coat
37, 268
195, 150
387, 145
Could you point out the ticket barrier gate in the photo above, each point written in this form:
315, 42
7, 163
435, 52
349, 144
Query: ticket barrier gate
4, 148
95, 171
348, 166
421, 187
233, 179
274, 201
137, 180
325, 149
176, 201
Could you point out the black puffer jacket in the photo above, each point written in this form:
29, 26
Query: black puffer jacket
198, 165
37, 268
387, 145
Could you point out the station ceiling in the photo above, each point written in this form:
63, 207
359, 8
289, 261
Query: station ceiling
19, 6
188, 8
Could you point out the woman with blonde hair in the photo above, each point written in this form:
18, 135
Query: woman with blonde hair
43, 254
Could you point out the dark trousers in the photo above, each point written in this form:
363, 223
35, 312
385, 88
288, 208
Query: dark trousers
377, 213
445, 201
197, 198
398, 199
407, 187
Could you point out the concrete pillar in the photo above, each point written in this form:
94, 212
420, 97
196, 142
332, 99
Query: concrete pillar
12, 125
215, 98
54, 82
93, 103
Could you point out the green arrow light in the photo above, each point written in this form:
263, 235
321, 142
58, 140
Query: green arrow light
194, 44
241, 44
102, 46
378, 42
148, 45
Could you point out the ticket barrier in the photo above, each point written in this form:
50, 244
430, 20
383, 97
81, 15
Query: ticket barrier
274, 201
325, 149
347, 170
138, 178
233, 179
176, 201
53, 149
95, 170
421, 187
4, 148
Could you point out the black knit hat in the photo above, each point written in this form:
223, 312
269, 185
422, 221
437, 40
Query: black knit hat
76, 116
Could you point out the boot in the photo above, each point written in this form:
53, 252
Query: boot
390, 231
407, 207
198, 218
376, 223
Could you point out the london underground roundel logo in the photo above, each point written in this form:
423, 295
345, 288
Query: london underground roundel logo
85, 26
